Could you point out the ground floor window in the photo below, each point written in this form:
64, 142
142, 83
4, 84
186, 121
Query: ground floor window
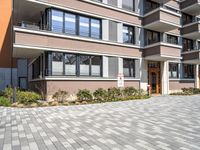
188, 71
129, 67
66, 64
173, 70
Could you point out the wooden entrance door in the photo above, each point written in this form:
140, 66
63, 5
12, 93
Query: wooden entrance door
154, 80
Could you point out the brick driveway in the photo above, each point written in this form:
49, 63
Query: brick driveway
159, 123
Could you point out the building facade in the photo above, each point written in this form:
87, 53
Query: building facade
76, 44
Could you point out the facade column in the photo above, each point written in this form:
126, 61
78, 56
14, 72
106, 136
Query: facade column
120, 65
137, 35
105, 1
143, 74
197, 76
105, 30
119, 3
105, 67
165, 77
120, 32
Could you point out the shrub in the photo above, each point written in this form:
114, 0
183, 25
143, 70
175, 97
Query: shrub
190, 91
114, 93
4, 101
27, 98
60, 96
100, 94
8, 93
129, 91
84, 95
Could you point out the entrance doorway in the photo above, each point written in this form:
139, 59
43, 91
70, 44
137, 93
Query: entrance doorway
154, 77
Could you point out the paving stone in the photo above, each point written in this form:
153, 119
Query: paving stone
160, 123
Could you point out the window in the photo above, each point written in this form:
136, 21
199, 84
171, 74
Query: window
57, 21
70, 23
152, 37
70, 64
198, 45
57, 63
74, 64
128, 34
84, 26
186, 19
96, 66
173, 70
95, 28
187, 45
113, 2
188, 71
149, 6
129, 67
84, 65
172, 39
128, 5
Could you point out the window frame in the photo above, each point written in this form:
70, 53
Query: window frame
77, 22
191, 69
77, 71
171, 70
131, 65
129, 36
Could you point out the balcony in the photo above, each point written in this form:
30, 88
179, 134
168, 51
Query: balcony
162, 51
191, 7
161, 20
192, 57
192, 30
30, 42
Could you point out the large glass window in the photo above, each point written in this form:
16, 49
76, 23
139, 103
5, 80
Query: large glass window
57, 21
57, 63
172, 39
128, 5
84, 26
128, 34
112, 2
187, 45
96, 65
150, 5
188, 71
129, 67
173, 70
152, 37
66, 64
95, 28
70, 64
198, 45
186, 19
84, 65
70, 23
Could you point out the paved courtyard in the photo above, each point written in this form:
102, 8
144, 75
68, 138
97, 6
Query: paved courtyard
161, 123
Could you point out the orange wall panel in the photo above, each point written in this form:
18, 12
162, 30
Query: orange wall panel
6, 34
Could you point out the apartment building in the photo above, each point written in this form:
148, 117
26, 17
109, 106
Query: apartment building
76, 44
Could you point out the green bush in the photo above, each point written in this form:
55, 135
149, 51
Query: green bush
4, 101
100, 94
27, 98
129, 91
8, 93
114, 93
60, 96
84, 95
190, 91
